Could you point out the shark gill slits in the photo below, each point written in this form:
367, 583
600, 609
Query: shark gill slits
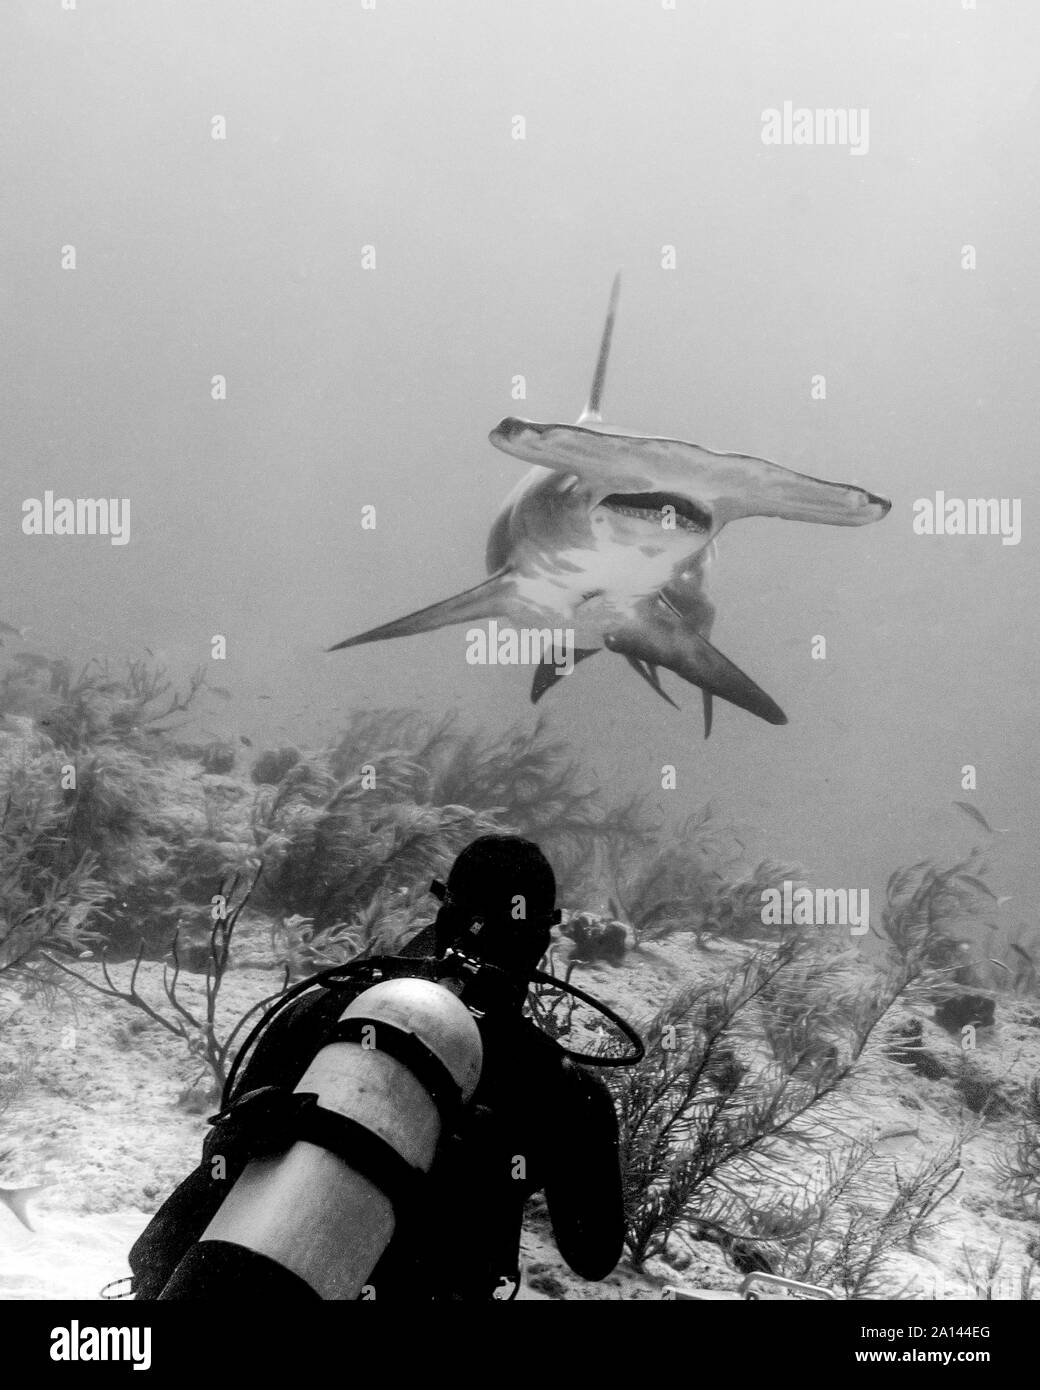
649, 506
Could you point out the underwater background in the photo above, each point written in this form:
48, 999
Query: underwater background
347, 387
391, 126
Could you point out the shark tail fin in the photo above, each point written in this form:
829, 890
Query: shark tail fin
17, 1199
591, 413
488, 600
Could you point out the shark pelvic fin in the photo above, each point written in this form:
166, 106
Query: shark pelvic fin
659, 641
591, 413
653, 680
547, 674
491, 599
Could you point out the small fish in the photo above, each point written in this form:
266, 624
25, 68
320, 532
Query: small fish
978, 885
17, 1199
263, 697
969, 810
220, 690
899, 1132
247, 741
1007, 897
32, 661
14, 631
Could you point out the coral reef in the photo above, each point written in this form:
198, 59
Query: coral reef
117, 829
273, 764
739, 1075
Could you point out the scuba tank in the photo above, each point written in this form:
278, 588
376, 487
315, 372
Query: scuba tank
363, 1123
309, 1171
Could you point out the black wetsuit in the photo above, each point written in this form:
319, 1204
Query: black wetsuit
536, 1123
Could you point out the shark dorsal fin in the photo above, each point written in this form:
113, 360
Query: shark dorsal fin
591, 414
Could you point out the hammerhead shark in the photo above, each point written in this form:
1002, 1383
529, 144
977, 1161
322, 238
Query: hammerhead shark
611, 535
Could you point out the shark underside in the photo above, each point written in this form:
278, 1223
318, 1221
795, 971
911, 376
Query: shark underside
611, 536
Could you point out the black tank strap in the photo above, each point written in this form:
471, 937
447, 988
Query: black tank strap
367, 1153
406, 1048
271, 1120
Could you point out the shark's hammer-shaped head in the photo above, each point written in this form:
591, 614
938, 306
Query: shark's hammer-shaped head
635, 473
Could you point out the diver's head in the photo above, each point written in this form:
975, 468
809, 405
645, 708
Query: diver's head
499, 904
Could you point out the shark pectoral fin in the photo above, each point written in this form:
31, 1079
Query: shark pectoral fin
660, 641
653, 680
488, 600
548, 673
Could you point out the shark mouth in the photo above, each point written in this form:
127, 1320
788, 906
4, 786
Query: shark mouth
649, 506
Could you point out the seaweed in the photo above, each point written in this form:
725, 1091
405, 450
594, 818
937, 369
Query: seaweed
929, 909
51, 895
708, 1121
271, 766
396, 797
930, 928
734, 910
669, 887
331, 860
1019, 1167
201, 1032
100, 704
160, 838
524, 778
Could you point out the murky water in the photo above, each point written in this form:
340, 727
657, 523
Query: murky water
267, 267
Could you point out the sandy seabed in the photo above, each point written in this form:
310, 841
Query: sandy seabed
102, 1120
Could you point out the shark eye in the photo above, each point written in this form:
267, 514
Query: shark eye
649, 506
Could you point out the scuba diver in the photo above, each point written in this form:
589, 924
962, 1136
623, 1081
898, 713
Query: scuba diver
535, 1122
